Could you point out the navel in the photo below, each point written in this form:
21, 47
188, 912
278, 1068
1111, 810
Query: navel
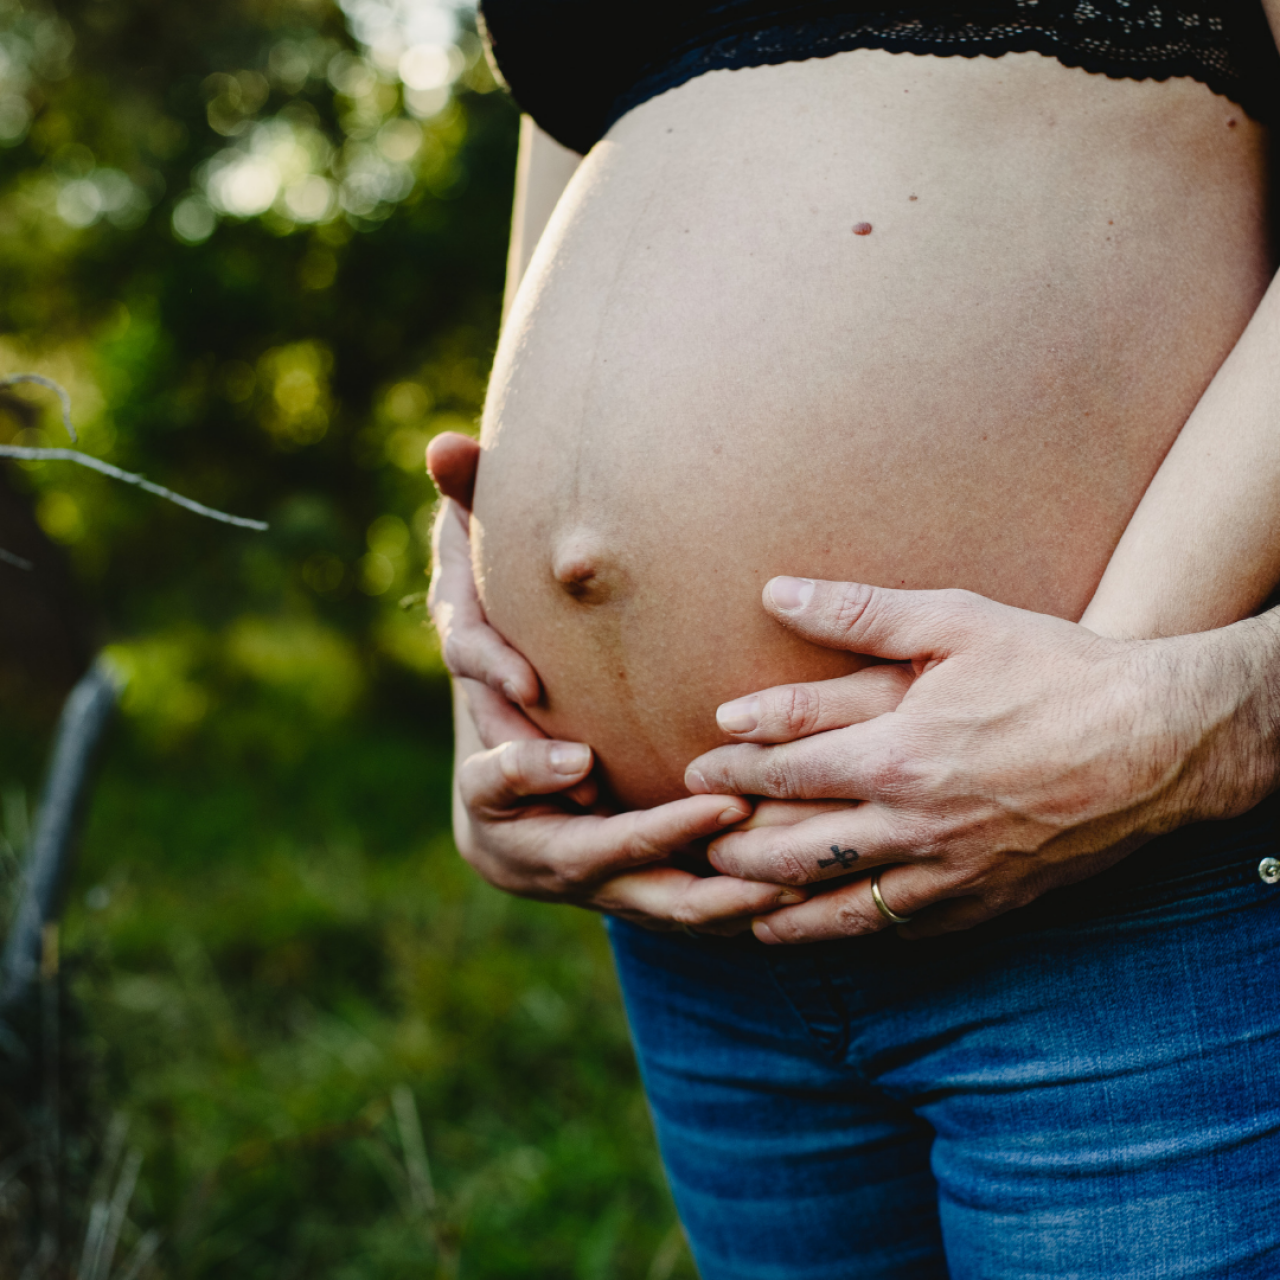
584, 568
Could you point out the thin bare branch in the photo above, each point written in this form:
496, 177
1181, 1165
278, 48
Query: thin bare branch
41, 381
7, 557
415, 1150
141, 1256
35, 453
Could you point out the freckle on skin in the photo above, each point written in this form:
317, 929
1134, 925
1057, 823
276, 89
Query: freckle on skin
1231, 124
862, 228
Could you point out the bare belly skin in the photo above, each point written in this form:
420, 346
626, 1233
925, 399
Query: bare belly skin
912, 321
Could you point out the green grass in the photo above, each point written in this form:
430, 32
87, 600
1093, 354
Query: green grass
266, 949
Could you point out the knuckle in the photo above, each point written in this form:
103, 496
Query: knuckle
959, 606
572, 876
958, 598
925, 839
686, 911
851, 605
787, 867
798, 711
885, 771
850, 918
933, 845
778, 776
640, 846
969, 876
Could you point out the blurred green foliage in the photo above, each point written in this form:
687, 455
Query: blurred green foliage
261, 242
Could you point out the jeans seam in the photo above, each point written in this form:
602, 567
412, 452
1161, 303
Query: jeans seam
838, 1055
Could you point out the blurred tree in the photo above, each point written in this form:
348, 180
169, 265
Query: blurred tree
262, 245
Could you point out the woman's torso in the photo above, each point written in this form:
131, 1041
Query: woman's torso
710, 377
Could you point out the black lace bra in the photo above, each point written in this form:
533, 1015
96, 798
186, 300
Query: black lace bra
575, 84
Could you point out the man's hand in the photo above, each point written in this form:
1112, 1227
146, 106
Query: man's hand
1026, 752
519, 834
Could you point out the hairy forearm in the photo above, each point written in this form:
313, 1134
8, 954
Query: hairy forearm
1231, 681
1203, 548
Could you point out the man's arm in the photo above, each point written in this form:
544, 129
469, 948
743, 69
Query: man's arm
1028, 753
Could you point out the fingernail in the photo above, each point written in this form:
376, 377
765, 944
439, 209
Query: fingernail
696, 782
731, 815
740, 716
570, 757
762, 931
511, 693
789, 897
791, 594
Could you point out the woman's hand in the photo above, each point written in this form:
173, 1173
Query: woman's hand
519, 806
472, 649
520, 835
1026, 753
493, 679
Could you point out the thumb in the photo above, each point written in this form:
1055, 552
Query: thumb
452, 459
902, 625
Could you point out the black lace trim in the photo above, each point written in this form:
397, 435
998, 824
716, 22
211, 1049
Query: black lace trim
1226, 46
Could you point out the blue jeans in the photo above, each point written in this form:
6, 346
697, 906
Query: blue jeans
1089, 1087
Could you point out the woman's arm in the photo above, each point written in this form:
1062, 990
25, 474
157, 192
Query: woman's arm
543, 170
1203, 548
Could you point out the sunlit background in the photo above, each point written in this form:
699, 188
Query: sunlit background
261, 244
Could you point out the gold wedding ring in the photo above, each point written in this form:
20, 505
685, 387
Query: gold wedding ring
882, 906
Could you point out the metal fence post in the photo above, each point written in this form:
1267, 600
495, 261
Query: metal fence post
85, 716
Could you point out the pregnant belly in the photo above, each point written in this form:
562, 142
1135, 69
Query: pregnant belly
913, 321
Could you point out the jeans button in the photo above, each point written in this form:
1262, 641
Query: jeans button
1269, 871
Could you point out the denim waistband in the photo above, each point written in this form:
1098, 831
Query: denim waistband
1189, 860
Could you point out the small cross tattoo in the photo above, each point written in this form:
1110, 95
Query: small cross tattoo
844, 857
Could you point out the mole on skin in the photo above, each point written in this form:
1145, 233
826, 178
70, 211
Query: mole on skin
862, 228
